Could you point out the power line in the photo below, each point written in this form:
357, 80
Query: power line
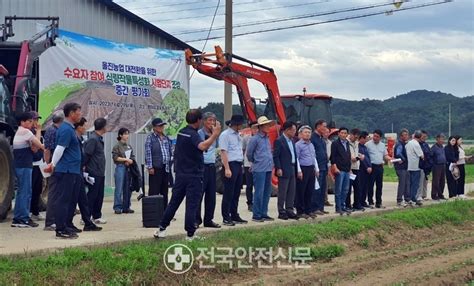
166, 5
208, 33
297, 17
196, 8
387, 12
244, 11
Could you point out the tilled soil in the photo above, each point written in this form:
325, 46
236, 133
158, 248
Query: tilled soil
438, 256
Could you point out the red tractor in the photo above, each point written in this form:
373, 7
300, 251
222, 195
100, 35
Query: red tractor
300, 108
18, 92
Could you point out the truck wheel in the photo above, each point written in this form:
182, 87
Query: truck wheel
7, 178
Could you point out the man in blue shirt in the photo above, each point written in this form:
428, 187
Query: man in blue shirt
189, 173
232, 156
286, 166
259, 153
209, 180
66, 167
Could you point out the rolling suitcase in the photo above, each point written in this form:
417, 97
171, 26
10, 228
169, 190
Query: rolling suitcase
152, 207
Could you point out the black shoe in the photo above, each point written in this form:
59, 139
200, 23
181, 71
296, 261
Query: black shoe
359, 209
140, 196
291, 215
21, 224
283, 216
92, 227
365, 205
73, 229
328, 204
258, 220
380, 206
212, 225
129, 211
66, 234
239, 220
250, 208
268, 218
228, 223
118, 212
347, 210
371, 206
419, 203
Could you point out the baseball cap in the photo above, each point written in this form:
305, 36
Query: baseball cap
158, 122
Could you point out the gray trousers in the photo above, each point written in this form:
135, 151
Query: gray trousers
52, 198
403, 190
423, 188
286, 194
438, 181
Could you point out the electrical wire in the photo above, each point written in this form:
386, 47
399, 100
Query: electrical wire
208, 34
244, 11
164, 5
297, 17
386, 12
195, 8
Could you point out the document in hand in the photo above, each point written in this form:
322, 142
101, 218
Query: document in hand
43, 166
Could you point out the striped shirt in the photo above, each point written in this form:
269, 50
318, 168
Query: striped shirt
22, 148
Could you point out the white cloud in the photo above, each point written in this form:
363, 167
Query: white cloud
377, 57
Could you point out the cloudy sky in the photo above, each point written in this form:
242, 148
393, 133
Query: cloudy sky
374, 57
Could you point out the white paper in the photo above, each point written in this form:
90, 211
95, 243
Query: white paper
128, 153
88, 179
42, 167
352, 177
451, 167
38, 163
396, 160
316, 184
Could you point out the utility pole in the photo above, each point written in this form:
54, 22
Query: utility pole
228, 49
449, 120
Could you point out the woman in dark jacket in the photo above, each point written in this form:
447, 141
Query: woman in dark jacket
123, 156
452, 156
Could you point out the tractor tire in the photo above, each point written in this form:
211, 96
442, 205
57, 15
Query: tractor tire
7, 177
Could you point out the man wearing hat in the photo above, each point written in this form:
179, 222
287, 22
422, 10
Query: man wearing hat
158, 160
259, 152
50, 145
232, 157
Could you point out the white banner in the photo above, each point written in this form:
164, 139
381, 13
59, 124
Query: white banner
128, 85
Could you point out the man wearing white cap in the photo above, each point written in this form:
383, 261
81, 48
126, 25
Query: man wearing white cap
259, 152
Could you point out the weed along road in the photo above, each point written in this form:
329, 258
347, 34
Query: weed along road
431, 245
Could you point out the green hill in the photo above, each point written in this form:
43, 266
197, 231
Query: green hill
419, 109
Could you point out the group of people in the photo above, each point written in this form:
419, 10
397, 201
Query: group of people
302, 159
416, 160
71, 163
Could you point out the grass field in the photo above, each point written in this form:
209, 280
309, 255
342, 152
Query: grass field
390, 176
141, 262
